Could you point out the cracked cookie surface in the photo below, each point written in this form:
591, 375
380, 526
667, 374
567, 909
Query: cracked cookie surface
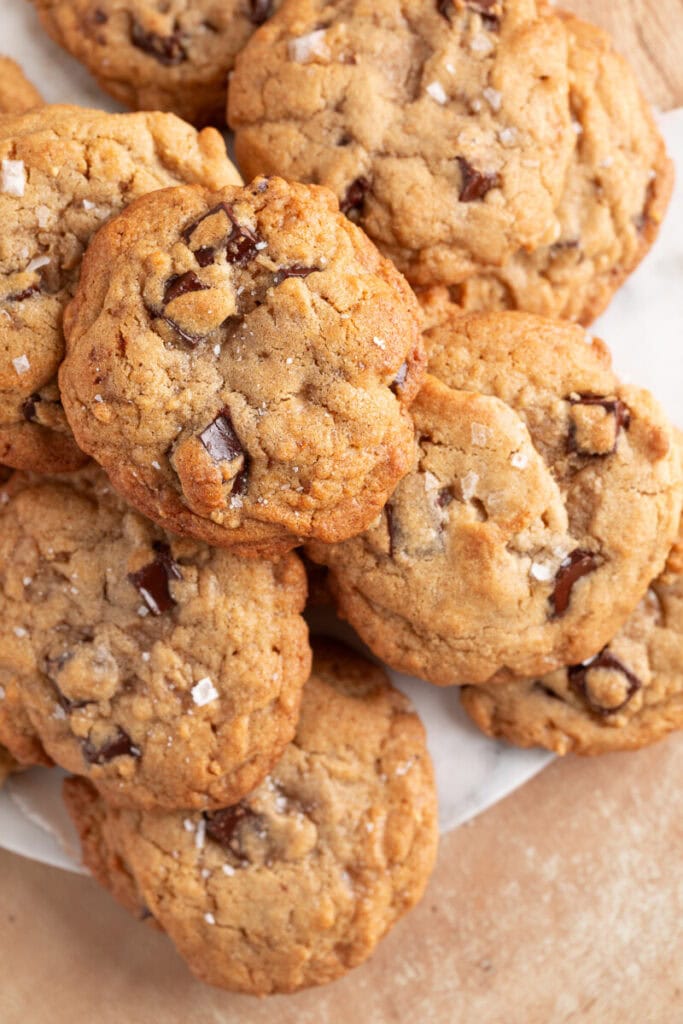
615, 197
241, 363
173, 55
544, 499
64, 171
168, 673
296, 884
626, 697
17, 94
443, 127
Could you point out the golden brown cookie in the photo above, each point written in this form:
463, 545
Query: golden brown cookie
443, 127
626, 697
64, 171
241, 363
296, 884
175, 56
17, 94
167, 672
544, 498
615, 196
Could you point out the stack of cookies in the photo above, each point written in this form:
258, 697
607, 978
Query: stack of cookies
374, 353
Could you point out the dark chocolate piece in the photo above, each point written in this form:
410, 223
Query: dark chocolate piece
353, 202
119, 746
168, 50
260, 11
614, 407
152, 581
296, 270
222, 825
181, 284
578, 680
475, 184
578, 564
220, 439
28, 406
400, 378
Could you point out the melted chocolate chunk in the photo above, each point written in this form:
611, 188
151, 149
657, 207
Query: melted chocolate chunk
580, 563
168, 50
99, 17
353, 202
222, 825
120, 745
28, 406
392, 529
152, 581
296, 270
260, 11
613, 407
181, 284
486, 8
220, 439
444, 498
578, 679
205, 256
242, 244
400, 378
190, 339
22, 296
475, 184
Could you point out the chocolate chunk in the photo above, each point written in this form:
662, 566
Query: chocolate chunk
242, 244
580, 563
392, 529
613, 407
152, 581
475, 184
400, 378
205, 256
221, 826
353, 202
168, 50
99, 17
120, 745
444, 497
22, 296
296, 270
486, 8
190, 339
28, 406
260, 11
578, 679
181, 284
220, 439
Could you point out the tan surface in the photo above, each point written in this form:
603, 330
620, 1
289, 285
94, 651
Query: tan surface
562, 905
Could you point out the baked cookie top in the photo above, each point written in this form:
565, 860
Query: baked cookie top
63, 172
17, 94
240, 362
299, 881
614, 200
168, 673
443, 127
544, 498
173, 56
626, 697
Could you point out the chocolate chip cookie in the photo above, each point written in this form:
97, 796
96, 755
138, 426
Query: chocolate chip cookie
614, 200
63, 172
544, 498
174, 55
298, 882
443, 127
168, 673
17, 94
627, 696
241, 362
